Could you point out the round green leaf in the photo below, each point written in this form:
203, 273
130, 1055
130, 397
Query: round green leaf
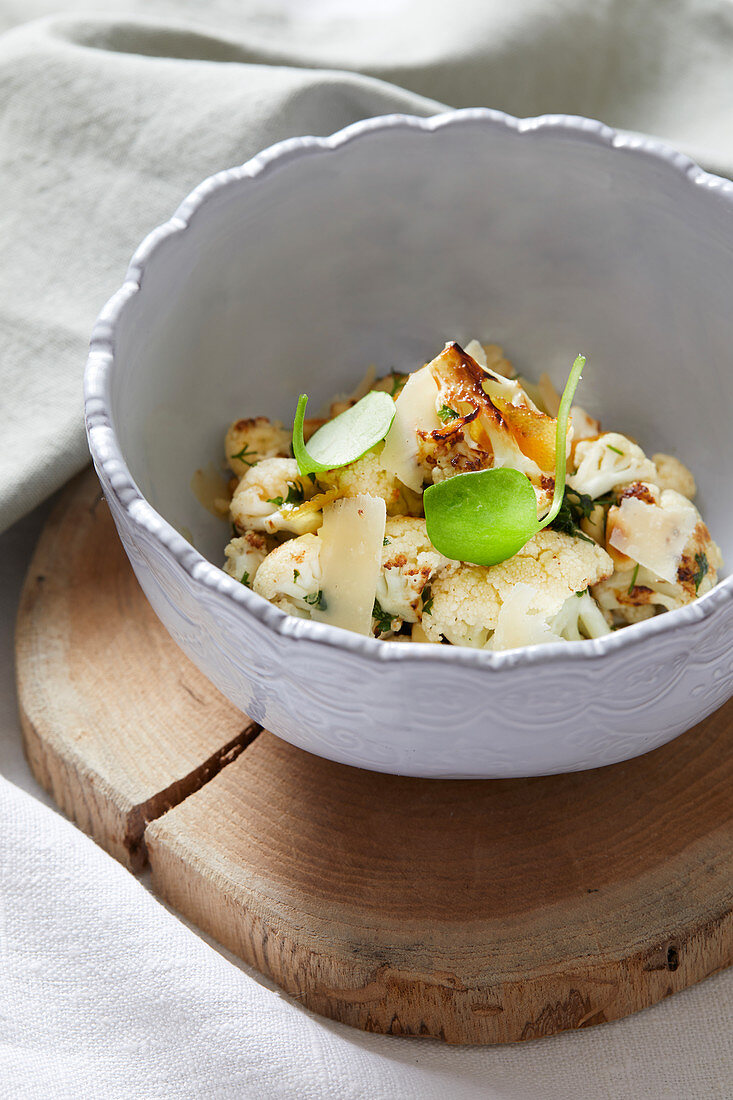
483, 517
345, 438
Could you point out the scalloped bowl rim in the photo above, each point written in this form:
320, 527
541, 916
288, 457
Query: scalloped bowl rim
107, 453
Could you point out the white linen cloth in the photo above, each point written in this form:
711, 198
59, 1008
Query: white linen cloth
106, 995
109, 114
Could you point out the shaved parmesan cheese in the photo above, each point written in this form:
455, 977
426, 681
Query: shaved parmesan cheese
654, 536
476, 351
415, 409
548, 393
351, 537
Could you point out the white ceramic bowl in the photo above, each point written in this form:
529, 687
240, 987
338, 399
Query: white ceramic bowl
550, 236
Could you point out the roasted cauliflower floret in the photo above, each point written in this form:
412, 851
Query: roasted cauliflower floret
608, 462
290, 576
409, 561
488, 420
245, 555
513, 603
367, 475
268, 498
673, 474
663, 552
249, 441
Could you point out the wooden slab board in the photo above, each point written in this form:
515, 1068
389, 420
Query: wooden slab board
472, 911
118, 724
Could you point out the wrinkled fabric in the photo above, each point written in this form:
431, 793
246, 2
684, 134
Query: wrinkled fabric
109, 114
107, 121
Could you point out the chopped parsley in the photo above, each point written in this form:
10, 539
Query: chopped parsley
612, 448
382, 617
427, 600
446, 413
244, 579
385, 541
295, 496
246, 456
632, 586
702, 568
296, 574
574, 508
316, 600
398, 381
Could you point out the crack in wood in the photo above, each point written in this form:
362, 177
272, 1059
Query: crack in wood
160, 803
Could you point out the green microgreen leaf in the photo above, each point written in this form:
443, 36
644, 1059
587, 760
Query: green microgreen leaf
446, 413
277, 501
488, 516
483, 517
561, 434
345, 438
702, 570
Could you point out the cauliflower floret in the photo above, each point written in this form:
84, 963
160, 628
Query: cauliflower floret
290, 576
409, 560
664, 555
673, 474
367, 475
249, 441
608, 462
513, 603
580, 617
488, 420
245, 555
268, 496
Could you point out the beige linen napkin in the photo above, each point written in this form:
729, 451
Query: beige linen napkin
107, 121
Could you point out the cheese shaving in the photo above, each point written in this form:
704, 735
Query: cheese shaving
415, 409
655, 537
352, 536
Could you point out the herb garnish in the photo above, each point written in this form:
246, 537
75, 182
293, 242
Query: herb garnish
385, 541
701, 561
635, 574
427, 600
398, 381
296, 574
242, 456
316, 600
488, 516
244, 579
295, 496
446, 413
575, 507
612, 448
383, 618
345, 438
